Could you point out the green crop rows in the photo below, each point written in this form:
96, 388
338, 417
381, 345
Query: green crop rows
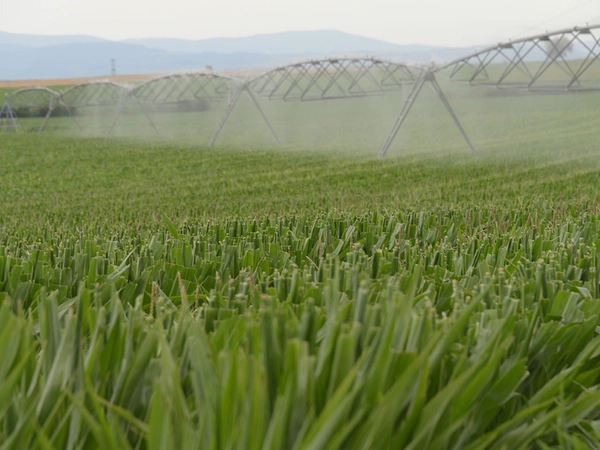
165, 295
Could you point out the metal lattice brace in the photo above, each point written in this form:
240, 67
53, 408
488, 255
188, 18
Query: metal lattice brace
98, 93
342, 78
176, 89
426, 77
323, 79
553, 61
92, 95
333, 78
37, 97
8, 118
230, 108
172, 89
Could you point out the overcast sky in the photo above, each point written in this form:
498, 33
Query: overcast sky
436, 22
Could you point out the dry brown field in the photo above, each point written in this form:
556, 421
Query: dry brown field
70, 81
11, 84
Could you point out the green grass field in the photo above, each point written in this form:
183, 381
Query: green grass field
157, 294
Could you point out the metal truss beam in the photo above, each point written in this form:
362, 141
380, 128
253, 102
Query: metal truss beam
339, 78
333, 78
551, 62
323, 79
100, 93
173, 89
31, 97
178, 89
90, 95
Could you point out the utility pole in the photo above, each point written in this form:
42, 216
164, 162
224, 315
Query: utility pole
113, 67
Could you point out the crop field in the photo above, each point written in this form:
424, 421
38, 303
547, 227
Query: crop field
158, 294
490, 116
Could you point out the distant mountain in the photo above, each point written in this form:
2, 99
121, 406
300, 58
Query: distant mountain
38, 57
93, 59
15, 48
285, 43
25, 56
34, 40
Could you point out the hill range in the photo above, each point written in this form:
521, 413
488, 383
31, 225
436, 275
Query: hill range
34, 57
26, 57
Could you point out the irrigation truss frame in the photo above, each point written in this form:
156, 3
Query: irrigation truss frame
8, 119
333, 78
29, 97
90, 94
177, 89
527, 63
341, 78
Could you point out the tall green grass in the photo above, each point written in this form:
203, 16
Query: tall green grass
161, 295
379, 331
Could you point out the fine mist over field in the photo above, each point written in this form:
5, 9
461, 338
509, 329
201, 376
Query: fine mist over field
534, 162
491, 118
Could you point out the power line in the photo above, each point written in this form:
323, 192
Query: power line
547, 21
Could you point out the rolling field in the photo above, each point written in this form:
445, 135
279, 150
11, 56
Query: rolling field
155, 293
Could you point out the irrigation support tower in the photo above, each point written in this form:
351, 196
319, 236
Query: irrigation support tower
8, 118
425, 77
230, 107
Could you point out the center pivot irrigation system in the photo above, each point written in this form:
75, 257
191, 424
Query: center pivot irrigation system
94, 95
563, 60
342, 78
560, 61
36, 100
185, 92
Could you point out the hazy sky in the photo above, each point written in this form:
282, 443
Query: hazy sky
438, 22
